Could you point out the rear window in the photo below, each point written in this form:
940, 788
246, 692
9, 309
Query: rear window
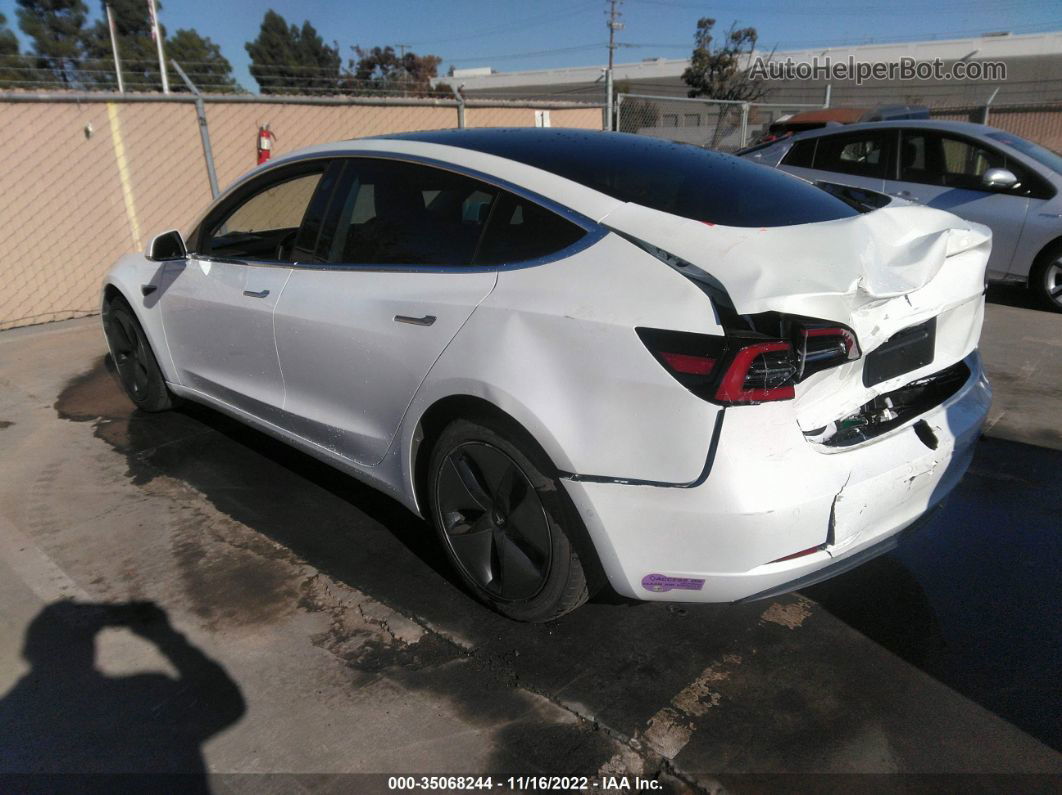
676, 178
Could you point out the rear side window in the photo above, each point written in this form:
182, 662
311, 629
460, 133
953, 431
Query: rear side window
801, 154
521, 230
263, 226
859, 154
394, 213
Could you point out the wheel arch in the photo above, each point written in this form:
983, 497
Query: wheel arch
441, 413
445, 410
110, 292
125, 282
1055, 242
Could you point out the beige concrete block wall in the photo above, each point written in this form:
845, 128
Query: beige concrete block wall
71, 203
1042, 125
234, 128
585, 118
83, 184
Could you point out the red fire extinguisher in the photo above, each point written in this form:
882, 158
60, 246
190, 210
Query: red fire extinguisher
265, 143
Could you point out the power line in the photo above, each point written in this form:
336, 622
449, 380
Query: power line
515, 56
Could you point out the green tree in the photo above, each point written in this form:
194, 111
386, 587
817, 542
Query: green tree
12, 73
8, 39
382, 69
721, 71
54, 28
202, 61
136, 48
288, 60
635, 114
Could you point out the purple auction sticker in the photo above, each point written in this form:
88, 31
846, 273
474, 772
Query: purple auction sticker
661, 582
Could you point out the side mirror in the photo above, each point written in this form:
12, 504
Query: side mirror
999, 179
167, 246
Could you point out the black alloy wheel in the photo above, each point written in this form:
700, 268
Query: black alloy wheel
138, 371
494, 521
505, 520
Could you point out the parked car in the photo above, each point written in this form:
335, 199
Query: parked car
977, 172
578, 363
791, 124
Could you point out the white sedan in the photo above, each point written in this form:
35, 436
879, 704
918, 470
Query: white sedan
588, 358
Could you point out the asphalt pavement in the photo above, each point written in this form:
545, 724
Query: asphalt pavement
181, 594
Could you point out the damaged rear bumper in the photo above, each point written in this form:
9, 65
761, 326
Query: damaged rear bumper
772, 494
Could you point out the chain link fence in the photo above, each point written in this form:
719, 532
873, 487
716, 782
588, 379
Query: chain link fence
1041, 123
716, 124
95, 175
728, 126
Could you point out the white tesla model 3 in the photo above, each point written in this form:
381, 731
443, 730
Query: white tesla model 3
586, 357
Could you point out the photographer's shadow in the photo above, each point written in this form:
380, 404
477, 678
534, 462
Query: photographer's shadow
66, 716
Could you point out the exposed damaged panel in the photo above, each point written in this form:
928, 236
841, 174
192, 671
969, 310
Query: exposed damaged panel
906, 280
893, 409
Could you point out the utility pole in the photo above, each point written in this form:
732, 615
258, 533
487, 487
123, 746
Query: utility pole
402, 49
613, 25
114, 49
156, 34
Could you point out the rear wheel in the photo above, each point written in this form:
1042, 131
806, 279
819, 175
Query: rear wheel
138, 371
505, 523
1046, 278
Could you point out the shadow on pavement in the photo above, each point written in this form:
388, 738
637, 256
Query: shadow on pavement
972, 597
66, 717
949, 601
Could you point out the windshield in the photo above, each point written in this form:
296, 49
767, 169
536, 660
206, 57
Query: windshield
1040, 154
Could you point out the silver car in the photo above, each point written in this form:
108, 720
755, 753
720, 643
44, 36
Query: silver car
979, 173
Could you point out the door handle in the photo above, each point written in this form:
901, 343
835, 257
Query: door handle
253, 294
427, 320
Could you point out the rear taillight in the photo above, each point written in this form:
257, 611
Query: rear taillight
757, 373
747, 366
822, 347
687, 364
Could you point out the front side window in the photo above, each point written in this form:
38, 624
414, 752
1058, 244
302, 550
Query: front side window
861, 154
934, 159
1046, 157
264, 225
931, 158
965, 163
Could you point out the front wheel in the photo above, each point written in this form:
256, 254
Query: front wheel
505, 523
1046, 278
138, 371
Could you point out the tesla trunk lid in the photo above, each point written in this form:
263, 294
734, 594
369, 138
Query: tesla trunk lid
908, 280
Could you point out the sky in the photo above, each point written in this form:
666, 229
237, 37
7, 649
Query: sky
512, 35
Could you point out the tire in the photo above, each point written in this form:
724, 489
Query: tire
507, 525
1046, 278
137, 369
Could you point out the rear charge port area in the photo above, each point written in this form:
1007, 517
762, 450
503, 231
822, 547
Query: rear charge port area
893, 409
